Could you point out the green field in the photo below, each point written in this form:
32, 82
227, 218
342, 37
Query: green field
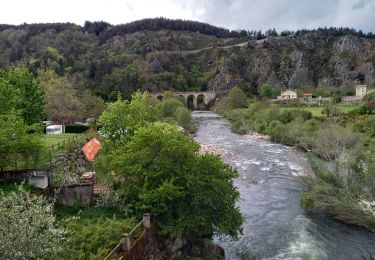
55, 139
317, 111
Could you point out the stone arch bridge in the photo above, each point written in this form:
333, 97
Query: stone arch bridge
194, 100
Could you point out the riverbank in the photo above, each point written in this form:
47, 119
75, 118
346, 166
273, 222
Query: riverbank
339, 190
276, 225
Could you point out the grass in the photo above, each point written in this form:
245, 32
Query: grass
317, 111
55, 139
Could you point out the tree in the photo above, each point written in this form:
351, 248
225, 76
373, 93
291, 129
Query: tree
236, 98
28, 229
268, 91
62, 102
159, 170
18, 141
29, 94
336, 145
122, 117
9, 96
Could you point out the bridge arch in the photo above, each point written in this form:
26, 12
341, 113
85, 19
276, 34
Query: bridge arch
201, 103
190, 102
193, 100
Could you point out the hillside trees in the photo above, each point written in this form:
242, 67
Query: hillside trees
64, 103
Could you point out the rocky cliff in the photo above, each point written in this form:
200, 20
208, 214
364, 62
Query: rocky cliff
185, 60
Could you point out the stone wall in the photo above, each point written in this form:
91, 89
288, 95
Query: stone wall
75, 194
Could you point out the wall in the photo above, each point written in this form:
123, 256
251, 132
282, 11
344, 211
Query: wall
76, 193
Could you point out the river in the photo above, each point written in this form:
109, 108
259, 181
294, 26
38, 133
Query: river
276, 226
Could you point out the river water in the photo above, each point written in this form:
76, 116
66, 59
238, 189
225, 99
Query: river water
276, 226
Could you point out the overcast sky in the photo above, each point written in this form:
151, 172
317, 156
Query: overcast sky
233, 14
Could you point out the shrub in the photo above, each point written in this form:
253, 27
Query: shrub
331, 111
236, 98
183, 118
303, 114
92, 234
169, 106
28, 229
286, 116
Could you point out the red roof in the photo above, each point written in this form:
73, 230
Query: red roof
91, 148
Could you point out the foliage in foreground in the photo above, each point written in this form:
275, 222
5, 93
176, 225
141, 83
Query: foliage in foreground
92, 232
160, 171
28, 229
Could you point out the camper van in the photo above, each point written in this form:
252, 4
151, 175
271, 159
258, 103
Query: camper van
55, 129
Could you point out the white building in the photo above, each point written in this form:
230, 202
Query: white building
360, 90
289, 94
55, 129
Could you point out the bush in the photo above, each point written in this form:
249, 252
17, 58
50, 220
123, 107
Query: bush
286, 116
362, 110
76, 129
94, 239
169, 106
183, 118
303, 114
331, 111
236, 98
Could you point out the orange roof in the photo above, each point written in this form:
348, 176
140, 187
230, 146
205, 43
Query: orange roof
91, 148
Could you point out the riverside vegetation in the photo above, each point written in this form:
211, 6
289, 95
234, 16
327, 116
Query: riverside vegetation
148, 163
341, 148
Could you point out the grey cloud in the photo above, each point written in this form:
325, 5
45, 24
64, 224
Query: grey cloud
286, 14
360, 4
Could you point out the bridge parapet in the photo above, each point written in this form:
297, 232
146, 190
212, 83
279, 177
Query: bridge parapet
196, 98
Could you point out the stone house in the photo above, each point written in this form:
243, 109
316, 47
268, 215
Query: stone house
361, 90
289, 94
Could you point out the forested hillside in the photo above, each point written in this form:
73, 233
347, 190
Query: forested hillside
163, 54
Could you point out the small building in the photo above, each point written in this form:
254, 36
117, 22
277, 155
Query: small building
289, 94
55, 129
39, 179
308, 96
360, 90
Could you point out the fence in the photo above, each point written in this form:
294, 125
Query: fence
126, 249
39, 159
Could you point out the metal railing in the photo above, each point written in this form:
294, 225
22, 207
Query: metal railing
124, 246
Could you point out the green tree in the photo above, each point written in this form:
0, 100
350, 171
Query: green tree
30, 95
28, 229
159, 170
122, 117
268, 91
8, 96
63, 104
236, 98
18, 141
